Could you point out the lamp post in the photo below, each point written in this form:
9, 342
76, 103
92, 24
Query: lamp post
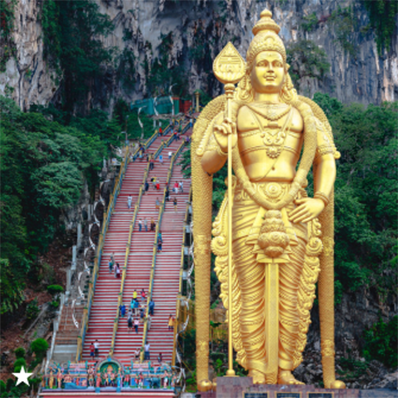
197, 100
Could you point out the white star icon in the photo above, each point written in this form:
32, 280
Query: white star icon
22, 376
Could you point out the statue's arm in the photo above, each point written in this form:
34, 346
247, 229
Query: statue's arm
214, 157
325, 163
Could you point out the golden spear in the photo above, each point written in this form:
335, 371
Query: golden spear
229, 69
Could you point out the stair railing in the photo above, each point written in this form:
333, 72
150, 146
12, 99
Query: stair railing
128, 245
150, 140
180, 295
153, 267
98, 256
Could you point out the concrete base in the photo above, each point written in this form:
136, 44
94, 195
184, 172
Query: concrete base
64, 353
243, 387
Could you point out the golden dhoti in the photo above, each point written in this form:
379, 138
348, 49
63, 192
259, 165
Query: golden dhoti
249, 264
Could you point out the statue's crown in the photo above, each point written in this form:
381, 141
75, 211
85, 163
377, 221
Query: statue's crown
265, 38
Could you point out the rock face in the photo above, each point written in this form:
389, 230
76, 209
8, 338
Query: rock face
357, 73
27, 77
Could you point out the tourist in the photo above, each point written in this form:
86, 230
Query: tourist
157, 203
96, 347
92, 350
134, 294
143, 294
130, 324
153, 180
181, 186
113, 257
151, 307
149, 322
160, 131
139, 225
151, 164
186, 139
176, 185
175, 204
171, 322
117, 271
170, 154
130, 313
132, 306
160, 358
137, 353
122, 310
158, 185
160, 241
145, 224
146, 186
167, 194
136, 324
142, 315
153, 224
147, 356
129, 201
161, 159
110, 265
191, 123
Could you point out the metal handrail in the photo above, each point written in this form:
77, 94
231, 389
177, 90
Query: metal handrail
150, 140
178, 303
169, 174
132, 224
97, 261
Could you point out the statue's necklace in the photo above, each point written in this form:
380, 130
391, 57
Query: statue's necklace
271, 111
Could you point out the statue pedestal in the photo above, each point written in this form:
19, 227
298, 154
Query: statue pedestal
243, 387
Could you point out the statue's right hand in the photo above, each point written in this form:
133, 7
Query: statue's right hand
222, 131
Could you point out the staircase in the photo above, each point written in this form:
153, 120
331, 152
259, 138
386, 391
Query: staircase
139, 262
103, 309
167, 268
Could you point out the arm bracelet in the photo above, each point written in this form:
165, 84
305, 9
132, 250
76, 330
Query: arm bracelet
323, 197
220, 152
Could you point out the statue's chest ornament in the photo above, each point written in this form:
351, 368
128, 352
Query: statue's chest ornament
273, 137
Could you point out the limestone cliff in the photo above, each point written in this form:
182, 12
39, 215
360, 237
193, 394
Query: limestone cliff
357, 72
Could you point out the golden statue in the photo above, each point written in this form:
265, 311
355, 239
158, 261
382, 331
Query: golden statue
281, 240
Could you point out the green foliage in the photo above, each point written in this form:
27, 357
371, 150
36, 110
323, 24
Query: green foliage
39, 347
306, 59
10, 287
352, 369
365, 192
18, 364
126, 72
310, 22
32, 310
7, 9
20, 352
55, 289
381, 342
72, 31
383, 17
345, 24
43, 165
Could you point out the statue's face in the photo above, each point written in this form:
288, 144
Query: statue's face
268, 72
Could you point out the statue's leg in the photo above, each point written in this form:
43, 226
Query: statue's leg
252, 321
289, 278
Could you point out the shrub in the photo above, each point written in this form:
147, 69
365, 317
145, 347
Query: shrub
55, 289
39, 347
32, 309
20, 352
2, 386
381, 342
18, 364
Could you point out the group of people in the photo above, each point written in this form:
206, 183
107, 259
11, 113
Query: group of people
144, 222
114, 268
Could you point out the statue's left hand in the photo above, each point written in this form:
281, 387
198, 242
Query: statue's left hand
307, 210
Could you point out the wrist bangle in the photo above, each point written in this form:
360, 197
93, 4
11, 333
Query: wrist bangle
323, 197
220, 152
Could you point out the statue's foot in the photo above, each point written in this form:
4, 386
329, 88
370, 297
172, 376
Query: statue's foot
286, 377
258, 377
337, 384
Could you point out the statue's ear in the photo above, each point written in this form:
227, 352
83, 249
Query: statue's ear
287, 66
